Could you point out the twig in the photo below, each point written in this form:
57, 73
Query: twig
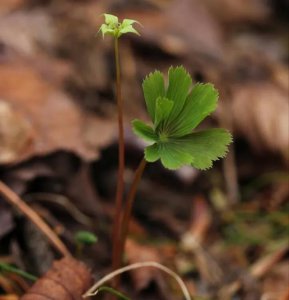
95, 288
15, 200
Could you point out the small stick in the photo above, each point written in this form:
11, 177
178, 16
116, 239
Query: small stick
15, 200
95, 288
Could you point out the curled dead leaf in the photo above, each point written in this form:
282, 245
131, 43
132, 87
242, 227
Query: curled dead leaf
66, 280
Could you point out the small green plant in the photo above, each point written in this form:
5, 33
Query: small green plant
84, 238
116, 29
113, 27
175, 109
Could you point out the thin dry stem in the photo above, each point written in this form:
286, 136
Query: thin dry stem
15, 200
94, 289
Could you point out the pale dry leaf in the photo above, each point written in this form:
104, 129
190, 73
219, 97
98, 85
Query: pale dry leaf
180, 28
142, 253
9, 5
56, 121
261, 113
234, 11
9, 297
26, 30
16, 133
67, 279
275, 283
200, 224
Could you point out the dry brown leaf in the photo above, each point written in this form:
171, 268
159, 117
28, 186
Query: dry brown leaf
180, 27
16, 133
261, 113
275, 284
233, 11
9, 5
67, 279
25, 30
141, 253
200, 224
9, 297
191, 242
41, 118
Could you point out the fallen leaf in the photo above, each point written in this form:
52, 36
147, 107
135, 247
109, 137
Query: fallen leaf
235, 11
141, 253
67, 279
9, 297
43, 119
260, 112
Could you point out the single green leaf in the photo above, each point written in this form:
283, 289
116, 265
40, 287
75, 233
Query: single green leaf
127, 22
127, 29
173, 156
162, 111
85, 237
153, 87
201, 102
111, 19
178, 89
106, 30
152, 153
144, 131
205, 146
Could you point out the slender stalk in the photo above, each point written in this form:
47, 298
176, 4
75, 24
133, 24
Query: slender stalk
95, 288
8, 268
15, 200
121, 162
112, 291
128, 207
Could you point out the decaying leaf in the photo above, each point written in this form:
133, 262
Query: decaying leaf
260, 112
67, 279
39, 118
16, 133
139, 253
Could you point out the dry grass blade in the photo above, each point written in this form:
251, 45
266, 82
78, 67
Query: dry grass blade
15, 200
95, 288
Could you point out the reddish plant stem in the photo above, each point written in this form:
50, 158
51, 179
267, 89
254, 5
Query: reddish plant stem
121, 164
15, 200
128, 207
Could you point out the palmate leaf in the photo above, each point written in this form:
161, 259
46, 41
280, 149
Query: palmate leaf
179, 85
162, 111
175, 112
173, 155
198, 149
201, 102
144, 131
205, 146
152, 153
153, 88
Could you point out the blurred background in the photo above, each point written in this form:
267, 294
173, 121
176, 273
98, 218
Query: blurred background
225, 231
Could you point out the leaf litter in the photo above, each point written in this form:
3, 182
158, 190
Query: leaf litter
57, 121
